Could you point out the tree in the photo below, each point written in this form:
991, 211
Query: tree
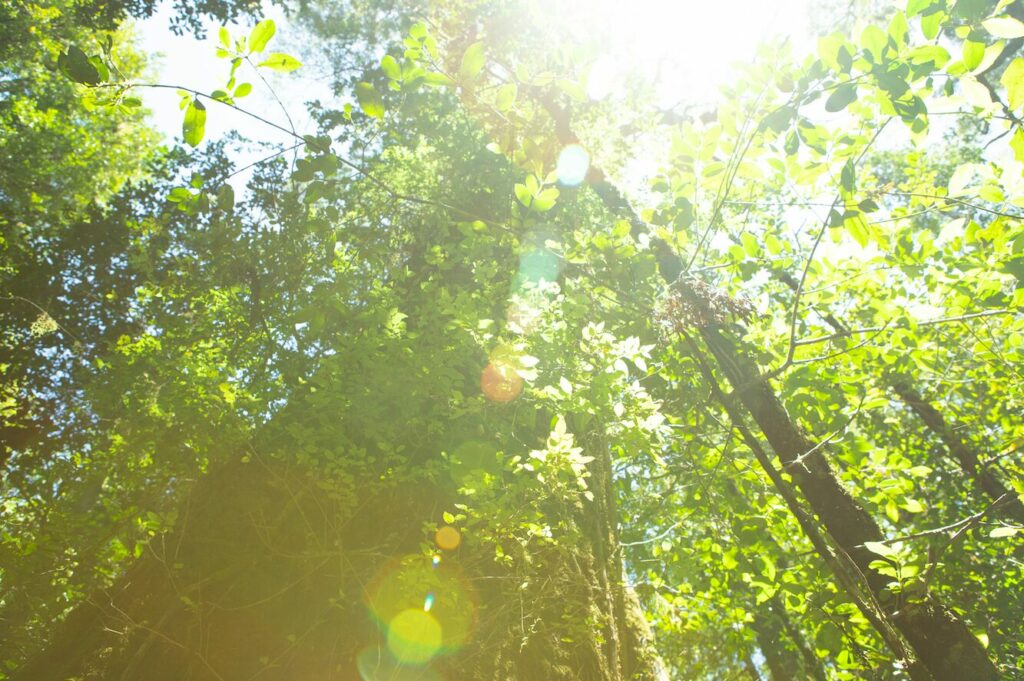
390, 411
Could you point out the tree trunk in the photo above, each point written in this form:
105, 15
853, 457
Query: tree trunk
268, 576
942, 641
966, 455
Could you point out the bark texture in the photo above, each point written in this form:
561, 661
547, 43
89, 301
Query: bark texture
267, 575
942, 641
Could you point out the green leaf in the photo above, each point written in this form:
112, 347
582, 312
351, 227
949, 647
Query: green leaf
572, 88
77, 66
1003, 532
915, 7
224, 36
880, 549
279, 61
842, 97
242, 90
506, 97
973, 53
448, 517
780, 119
931, 23
370, 100
194, 126
848, 177
913, 506
925, 54
389, 65
874, 40
179, 194
523, 194
472, 61
1013, 81
792, 144
1004, 27
545, 200
261, 35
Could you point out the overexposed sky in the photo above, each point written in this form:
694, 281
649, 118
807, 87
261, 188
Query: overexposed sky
692, 43
183, 60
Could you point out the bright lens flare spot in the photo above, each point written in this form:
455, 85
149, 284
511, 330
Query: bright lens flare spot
414, 637
448, 538
500, 382
428, 602
535, 266
572, 166
435, 560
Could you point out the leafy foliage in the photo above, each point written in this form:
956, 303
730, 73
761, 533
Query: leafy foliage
445, 315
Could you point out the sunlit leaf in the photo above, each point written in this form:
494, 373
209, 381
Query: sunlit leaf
193, 127
472, 61
370, 100
261, 35
278, 61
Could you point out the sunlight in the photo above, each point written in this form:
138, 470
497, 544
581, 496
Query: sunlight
688, 47
414, 636
424, 608
573, 163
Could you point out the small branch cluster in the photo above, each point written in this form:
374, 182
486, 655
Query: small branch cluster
691, 303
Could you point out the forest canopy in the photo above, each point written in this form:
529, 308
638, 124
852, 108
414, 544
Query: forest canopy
466, 340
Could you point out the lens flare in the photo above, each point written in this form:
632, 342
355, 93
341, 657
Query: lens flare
536, 265
448, 538
414, 637
377, 664
443, 600
500, 383
573, 163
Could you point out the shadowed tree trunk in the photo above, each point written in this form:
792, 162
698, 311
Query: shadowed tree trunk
964, 453
941, 640
269, 575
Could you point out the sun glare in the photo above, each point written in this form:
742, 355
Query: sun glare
687, 46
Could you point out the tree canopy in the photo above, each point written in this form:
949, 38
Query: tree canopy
495, 371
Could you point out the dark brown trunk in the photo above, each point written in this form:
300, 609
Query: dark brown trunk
942, 641
966, 455
268, 576
782, 662
771, 624
812, 663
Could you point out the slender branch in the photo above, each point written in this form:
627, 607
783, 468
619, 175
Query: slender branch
279, 152
13, 298
958, 527
273, 93
794, 315
198, 93
878, 329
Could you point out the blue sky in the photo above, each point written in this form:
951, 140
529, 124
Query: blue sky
183, 60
